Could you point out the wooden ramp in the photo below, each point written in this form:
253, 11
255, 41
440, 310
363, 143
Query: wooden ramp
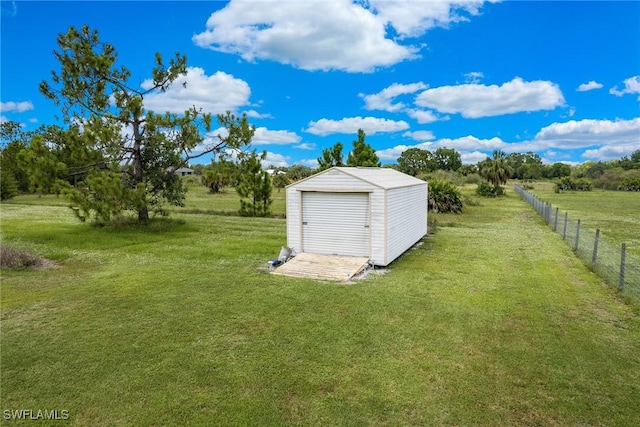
323, 267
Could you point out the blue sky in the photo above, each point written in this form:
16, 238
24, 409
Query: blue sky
561, 79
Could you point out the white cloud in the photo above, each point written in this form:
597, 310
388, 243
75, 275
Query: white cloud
256, 115
312, 35
323, 35
473, 157
473, 77
350, 125
383, 99
275, 159
306, 146
424, 116
591, 85
631, 85
3, 119
469, 142
420, 135
312, 163
264, 136
475, 100
411, 18
610, 152
18, 107
589, 132
214, 94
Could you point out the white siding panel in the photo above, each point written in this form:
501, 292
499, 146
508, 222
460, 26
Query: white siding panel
294, 239
406, 219
336, 223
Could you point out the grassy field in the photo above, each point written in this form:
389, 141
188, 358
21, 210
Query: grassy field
491, 321
615, 213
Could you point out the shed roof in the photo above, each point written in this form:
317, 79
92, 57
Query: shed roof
385, 178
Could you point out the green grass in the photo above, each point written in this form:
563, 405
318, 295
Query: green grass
615, 213
491, 321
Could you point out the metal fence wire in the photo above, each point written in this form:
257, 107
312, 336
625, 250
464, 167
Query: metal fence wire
611, 262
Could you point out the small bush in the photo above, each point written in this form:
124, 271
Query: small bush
444, 197
11, 257
472, 178
567, 183
442, 175
485, 189
630, 184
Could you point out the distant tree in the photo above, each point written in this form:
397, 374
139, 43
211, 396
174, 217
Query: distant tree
331, 157
199, 169
525, 166
466, 170
13, 140
280, 180
447, 159
141, 149
298, 172
415, 160
631, 162
496, 170
255, 185
8, 185
556, 170
219, 174
362, 154
43, 167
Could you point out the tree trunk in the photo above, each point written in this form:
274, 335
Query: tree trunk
143, 214
143, 209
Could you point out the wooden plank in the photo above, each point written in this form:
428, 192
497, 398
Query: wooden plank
322, 267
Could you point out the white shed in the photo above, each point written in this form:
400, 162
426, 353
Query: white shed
377, 213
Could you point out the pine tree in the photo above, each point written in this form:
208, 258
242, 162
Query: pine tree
362, 154
99, 102
255, 185
331, 157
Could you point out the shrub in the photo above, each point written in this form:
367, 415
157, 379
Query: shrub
472, 178
630, 184
442, 175
444, 197
485, 189
567, 183
11, 257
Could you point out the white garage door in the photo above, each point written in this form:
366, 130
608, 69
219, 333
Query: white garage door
335, 223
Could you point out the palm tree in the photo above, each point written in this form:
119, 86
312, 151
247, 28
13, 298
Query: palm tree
496, 170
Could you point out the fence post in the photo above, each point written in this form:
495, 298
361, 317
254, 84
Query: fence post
577, 237
594, 258
547, 210
564, 230
623, 256
555, 222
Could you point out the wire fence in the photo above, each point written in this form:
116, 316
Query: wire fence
612, 262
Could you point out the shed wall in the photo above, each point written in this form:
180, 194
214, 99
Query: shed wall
406, 219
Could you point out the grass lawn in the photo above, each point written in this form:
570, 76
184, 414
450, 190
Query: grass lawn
615, 213
491, 321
